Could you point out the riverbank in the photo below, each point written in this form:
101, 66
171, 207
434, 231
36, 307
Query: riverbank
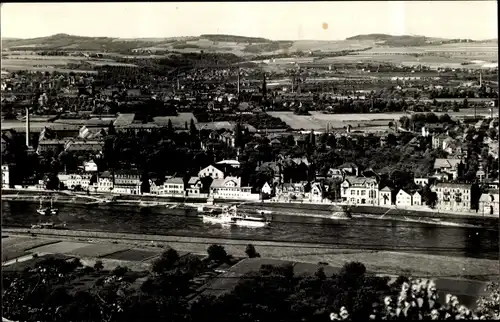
387, 262
323, 210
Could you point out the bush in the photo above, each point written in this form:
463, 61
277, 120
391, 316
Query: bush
251, 252
98, 266
120, 271
217, 253
166, 262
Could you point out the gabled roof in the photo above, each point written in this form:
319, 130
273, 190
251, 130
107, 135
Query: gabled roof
223, 182
452, 185
359, 180
174, 180
348, 165
193, 180
446, 163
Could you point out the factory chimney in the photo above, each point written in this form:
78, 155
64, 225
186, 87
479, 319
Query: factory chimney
27, 128
238, 81
480, 79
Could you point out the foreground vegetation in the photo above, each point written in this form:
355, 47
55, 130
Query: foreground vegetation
72, 292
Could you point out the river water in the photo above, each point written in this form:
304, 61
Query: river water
356, 234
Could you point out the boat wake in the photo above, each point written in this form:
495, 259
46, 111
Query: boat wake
431, 221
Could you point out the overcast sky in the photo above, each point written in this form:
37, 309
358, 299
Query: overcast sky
273, 20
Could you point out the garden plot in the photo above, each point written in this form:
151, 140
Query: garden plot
13, 247
63, 247
97, 250
134, 255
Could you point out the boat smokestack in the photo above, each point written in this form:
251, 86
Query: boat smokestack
27, 127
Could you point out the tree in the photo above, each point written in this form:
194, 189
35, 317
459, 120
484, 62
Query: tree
170, 127
98, 266
192, 129
217, 253
120, 271
166, 262
251, 252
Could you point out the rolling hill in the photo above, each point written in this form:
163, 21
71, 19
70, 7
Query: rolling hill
369, 44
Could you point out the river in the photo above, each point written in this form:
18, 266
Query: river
362, 233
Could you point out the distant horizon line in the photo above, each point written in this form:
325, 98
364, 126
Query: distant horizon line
234, 35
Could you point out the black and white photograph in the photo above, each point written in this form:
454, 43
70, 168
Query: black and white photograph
250, 161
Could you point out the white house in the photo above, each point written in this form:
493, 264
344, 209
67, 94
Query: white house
230, 188
194, 187
212, 172
79, 180
359, 190
417, 199
90, 166
489, 202
266, 189
104, 182
5, 176
63, 178
403, 199
316, 193
421, 181
385, 196
174, 187
127, 189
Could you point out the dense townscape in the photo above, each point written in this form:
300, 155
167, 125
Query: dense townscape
220, 133
257, 129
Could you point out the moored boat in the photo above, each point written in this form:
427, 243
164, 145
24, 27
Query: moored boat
231, 217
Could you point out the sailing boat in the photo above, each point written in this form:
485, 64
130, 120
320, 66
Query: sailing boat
42, 210
47, 211
53, 211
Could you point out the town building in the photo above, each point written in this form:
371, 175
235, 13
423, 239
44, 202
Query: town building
417, 199
194, 187
230, 188
174, 187
452, 167
421, 181
404, 199
489, 203
386, 196
296, 190
350, 169
317, 192
212, 172
90, 166
266, 189
104, 182
359, 190
78, 181
5, 176
453, 196
127, 182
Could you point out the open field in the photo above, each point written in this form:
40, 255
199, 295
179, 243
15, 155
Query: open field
318, 120
13, 247
328, 46
387, 262
177, 121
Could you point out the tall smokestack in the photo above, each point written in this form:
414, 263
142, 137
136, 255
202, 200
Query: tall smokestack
480, 79
238, 81
27, 128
